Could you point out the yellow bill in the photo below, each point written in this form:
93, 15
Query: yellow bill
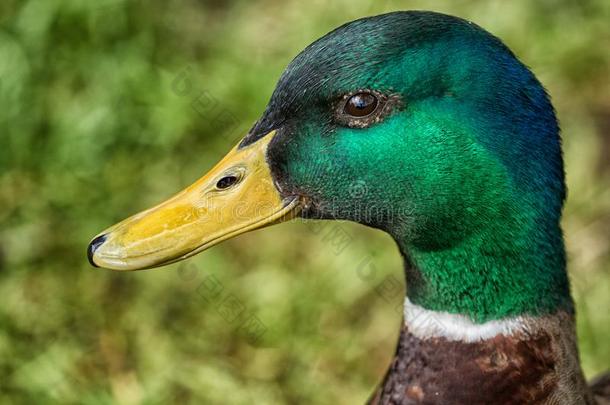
238, 195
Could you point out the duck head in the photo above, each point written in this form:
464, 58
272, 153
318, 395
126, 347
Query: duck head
420, 124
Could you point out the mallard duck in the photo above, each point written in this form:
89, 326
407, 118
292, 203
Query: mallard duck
458, 147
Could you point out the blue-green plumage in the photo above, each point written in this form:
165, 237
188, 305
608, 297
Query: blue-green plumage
467, 165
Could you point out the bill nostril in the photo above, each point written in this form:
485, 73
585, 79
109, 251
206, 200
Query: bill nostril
95, 243
226, 182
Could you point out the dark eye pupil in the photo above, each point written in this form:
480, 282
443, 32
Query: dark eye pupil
361, 104
226, 182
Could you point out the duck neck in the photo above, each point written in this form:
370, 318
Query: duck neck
483, 324
495, 273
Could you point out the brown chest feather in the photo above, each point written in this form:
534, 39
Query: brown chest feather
501, 370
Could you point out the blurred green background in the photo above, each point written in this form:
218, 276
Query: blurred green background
107, 107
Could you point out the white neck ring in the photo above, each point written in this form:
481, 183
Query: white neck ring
426, 324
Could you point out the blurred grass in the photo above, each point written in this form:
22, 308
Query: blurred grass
97, 122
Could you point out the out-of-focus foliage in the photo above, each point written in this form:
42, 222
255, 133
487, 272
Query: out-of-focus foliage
109, 106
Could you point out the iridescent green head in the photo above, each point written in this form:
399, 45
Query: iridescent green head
428, 127
417, 123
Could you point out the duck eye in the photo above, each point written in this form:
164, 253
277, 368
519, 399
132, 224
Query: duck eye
226, 182
361, 105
